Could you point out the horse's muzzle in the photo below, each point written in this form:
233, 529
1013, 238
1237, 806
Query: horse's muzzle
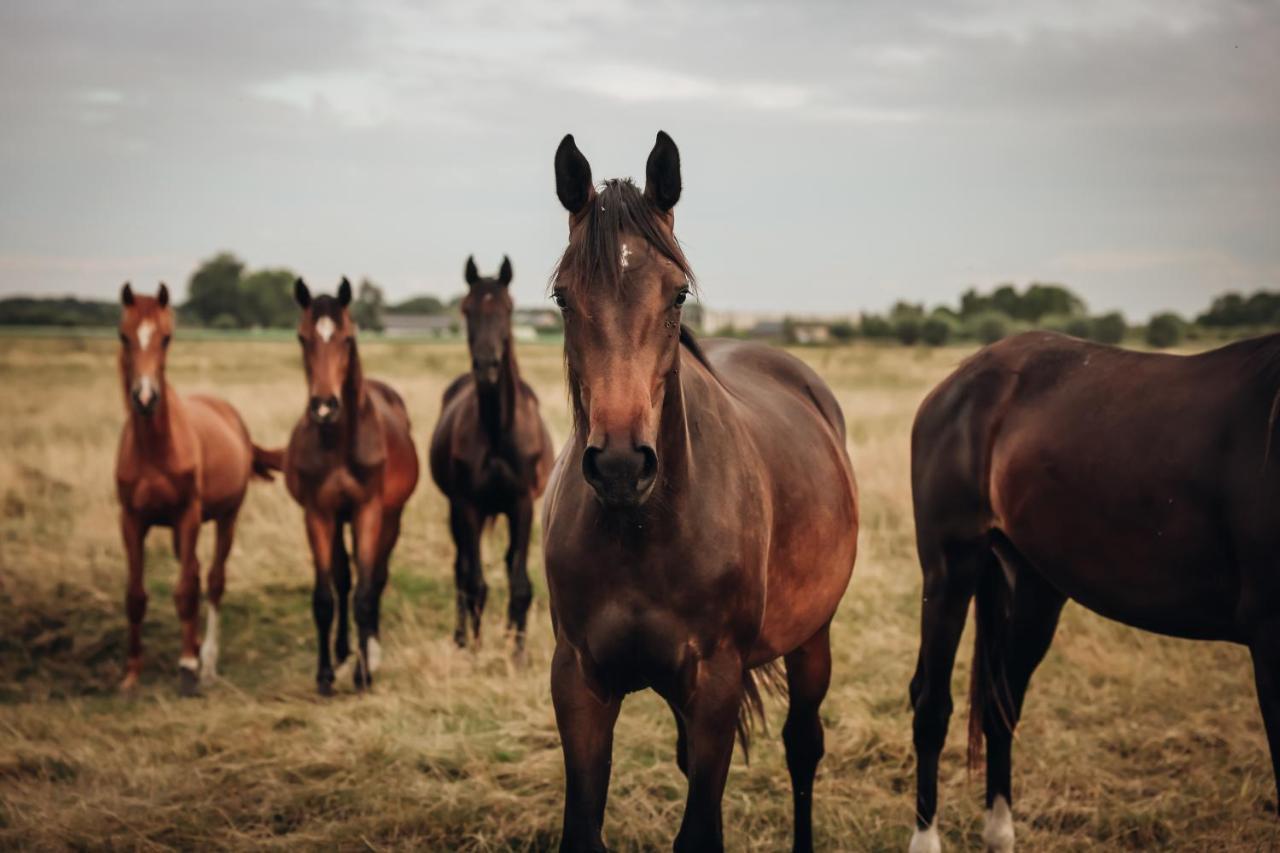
324, 410
621, 477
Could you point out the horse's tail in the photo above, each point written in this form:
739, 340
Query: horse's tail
265, 461
769, 676
988, 679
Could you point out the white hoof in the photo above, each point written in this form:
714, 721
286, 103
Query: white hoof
926, 840
998, 833
375, 655
209, 648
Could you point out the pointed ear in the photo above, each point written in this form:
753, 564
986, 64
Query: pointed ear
126, 295
662, 174
344, 292
504, 274
472, 275
301, 294
162, 296
573, 177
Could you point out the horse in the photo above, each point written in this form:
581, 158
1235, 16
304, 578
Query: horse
700, 523
490, 454
182, 461
1137, 484
350, 461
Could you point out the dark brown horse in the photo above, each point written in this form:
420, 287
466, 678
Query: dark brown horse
490, 454
350, 460
1143, 486
700, 523
182, 461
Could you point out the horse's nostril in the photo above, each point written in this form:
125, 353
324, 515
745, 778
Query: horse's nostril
648, 468
590, 468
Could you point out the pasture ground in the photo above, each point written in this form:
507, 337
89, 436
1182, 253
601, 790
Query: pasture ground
1129, 740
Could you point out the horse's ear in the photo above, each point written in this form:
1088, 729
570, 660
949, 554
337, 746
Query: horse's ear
301, 294
126, 295
162, 296
344, 292
573, 177
504, 274
662, 173
472, 275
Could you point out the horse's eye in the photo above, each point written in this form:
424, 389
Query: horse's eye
560, 301
165, 342
302, 340
682, 296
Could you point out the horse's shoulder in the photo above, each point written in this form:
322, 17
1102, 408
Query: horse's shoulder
455, 388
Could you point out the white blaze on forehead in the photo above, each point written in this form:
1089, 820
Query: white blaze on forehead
145, 331
626, 255
325, 328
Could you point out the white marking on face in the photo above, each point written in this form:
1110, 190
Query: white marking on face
926, 840
626, 255
998, 833
209, 648
146, 390
322, 410
189, 662
325, 328
145, 330
375, 655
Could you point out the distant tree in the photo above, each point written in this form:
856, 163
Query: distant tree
936, 330
266, 299
1165, 330
425, 304
1109, 328
1042, 300
990, 326
874, 326
28, 311
1261, 308
906, 328
367, 308
214, 289
1079, 327
1005, 299
843, 331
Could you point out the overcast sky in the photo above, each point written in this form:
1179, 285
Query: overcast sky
837, 156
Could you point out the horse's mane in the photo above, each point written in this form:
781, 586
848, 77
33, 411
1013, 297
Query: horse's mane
594, 247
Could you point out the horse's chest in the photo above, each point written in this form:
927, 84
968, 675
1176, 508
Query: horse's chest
158, 493
496, 477
337, 490
629, 647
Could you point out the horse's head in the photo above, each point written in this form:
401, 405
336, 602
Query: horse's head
146, 325
487, 308
621, 284
328, 337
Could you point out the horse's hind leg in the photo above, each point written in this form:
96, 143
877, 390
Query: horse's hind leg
808, 676
520, 591
217, 584
342, 588
950, 573
1013, 645
367, 529
381, 572
134, 532
1265, 649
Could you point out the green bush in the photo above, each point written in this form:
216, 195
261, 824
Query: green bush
1165, 330
875, 326
1079, 327
990, 327
907, 330
225, 321
936, 331
1109, 328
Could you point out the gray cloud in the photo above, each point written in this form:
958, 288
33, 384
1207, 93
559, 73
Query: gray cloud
837, 156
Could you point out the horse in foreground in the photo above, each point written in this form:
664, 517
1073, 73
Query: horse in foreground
700, 523
182, 460
1144, 486
350, 461
490, 454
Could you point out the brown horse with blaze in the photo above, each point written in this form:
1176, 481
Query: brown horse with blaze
490, 454
350, 460
182, 461
700, 523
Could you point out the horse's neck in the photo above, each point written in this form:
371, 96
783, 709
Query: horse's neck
498, 404
153, 434
686, 385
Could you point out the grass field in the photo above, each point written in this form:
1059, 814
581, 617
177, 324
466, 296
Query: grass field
1128, 741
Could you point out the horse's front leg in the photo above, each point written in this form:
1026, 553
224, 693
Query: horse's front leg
711, 716
367, 529
186, 596
320, 535
134, 532
520, 591
586, 722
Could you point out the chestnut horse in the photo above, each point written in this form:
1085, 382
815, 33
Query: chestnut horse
1141, 485
700, 523
490, 454
182, 461
350, 460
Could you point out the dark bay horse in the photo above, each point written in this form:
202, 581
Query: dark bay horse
182, 461
1143, 486
350, 461
700, 523
490, 454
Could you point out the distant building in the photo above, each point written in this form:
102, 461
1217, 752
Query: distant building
431, 326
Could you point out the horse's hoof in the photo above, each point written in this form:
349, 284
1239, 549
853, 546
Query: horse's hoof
324, 688
460, 638
130, 683
188, 682
341, 651
362, 678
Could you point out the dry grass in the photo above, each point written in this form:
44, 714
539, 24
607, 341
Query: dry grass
1130, 740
